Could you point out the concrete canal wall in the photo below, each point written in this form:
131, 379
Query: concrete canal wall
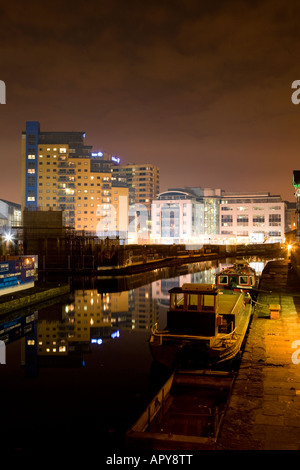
33, 296
295, 258
130, 259
264, 410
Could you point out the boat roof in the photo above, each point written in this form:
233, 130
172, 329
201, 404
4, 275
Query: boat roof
195, 289
240, 269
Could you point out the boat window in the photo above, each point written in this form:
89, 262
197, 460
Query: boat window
207, 302
223, 280
252, 281
244, 280
177, 301
192, 302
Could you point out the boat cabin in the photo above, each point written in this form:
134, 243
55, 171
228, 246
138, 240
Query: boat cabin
193, 310
240, 275
235, 280
194, 297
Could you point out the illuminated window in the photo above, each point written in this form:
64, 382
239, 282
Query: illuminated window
31, 171
226, 220
274, 220
242, 220
258, 221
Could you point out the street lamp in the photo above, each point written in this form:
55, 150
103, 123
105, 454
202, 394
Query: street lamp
8, 237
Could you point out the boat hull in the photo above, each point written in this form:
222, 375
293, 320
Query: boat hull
182, 351
186, 413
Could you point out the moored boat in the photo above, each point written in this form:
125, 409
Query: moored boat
186, 413
240, 277
205, 327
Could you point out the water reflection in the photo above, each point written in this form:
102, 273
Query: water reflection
62, 334
91, 348
160, 289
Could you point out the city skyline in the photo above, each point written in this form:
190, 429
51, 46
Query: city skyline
201, 91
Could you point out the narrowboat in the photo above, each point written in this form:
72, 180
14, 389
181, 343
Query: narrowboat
205, 327
239, 277
186, 413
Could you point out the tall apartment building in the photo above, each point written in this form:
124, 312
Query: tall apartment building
143, 185
60, 172
143, 182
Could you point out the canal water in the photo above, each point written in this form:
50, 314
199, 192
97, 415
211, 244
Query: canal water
79, 372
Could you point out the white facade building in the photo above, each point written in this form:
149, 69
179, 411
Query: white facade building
10, 216
185, 216
197, 216
252, 218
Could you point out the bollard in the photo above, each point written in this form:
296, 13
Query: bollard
274, 311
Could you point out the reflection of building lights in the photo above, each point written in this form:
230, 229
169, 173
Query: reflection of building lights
116, 334
96, 341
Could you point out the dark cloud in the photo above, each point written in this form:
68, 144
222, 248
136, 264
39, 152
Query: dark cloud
202, 89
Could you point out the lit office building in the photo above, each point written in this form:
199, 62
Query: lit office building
252, 217
187, 216
10, 216
60, 172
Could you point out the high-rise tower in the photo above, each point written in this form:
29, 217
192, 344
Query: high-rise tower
60, 172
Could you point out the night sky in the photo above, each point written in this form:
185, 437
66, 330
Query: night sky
200, 88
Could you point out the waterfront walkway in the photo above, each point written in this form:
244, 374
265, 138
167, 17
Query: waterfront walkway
264, 409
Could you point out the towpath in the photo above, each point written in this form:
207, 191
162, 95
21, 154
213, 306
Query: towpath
264, 409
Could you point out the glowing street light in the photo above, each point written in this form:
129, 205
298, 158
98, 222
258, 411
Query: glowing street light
8, 237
